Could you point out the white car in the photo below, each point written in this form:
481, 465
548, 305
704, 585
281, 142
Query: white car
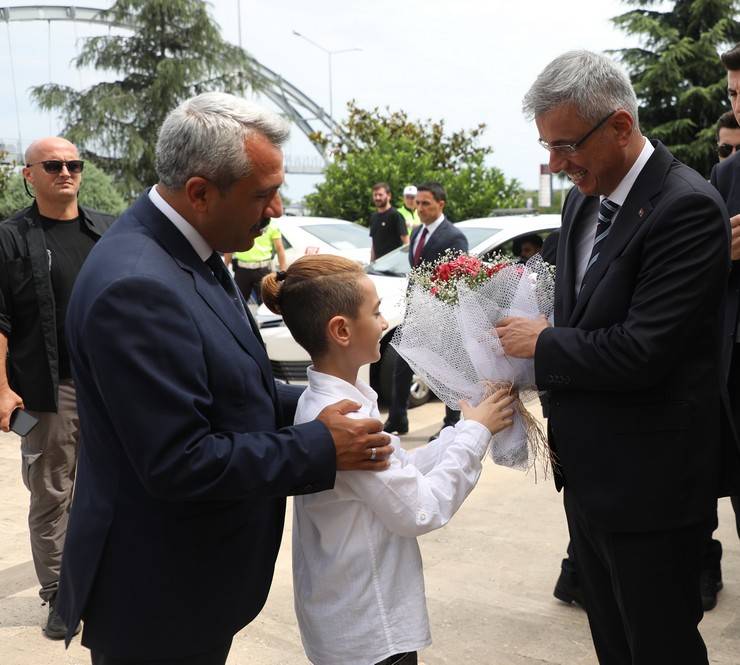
324, 235
485, 237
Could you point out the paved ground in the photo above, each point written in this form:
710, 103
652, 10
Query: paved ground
489, 577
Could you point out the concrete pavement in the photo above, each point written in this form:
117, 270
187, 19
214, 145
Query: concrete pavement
489, 577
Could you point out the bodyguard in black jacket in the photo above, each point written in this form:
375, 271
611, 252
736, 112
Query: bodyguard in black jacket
42, 249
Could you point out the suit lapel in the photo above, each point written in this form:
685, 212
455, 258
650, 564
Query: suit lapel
414, 233
574, 216
206, 286
633, 213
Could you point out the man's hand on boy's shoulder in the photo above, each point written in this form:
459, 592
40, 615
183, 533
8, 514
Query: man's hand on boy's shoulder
359, 443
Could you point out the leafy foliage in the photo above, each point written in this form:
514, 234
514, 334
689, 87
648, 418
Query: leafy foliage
386, 146
677, 74
97, 192
175, 51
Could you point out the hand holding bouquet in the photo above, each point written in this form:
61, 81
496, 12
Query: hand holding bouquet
448, 337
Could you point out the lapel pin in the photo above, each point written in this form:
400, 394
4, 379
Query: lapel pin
641, 213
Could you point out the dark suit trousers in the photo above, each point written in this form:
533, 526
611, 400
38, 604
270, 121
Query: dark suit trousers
641, 591
214, 657
249, 281
402, 378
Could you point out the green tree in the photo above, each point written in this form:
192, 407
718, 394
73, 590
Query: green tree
97, 192
7, 168
386, 146
175, 50
677, 74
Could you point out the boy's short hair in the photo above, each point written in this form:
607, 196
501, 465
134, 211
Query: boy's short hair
310, 292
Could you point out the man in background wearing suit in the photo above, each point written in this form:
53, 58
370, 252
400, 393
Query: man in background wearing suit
429, 240
725, 177
631, 363
187, 453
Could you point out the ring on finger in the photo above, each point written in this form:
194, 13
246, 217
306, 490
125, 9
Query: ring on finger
373, 453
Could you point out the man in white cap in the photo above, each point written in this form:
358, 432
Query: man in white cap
408, 209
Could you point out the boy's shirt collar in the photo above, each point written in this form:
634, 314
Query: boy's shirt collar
331, 385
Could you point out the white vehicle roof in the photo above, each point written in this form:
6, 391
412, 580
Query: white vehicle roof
288, 220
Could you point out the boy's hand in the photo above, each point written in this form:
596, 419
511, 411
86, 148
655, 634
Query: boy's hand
359, 443
495, 412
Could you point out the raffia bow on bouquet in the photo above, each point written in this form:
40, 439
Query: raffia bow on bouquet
448, 338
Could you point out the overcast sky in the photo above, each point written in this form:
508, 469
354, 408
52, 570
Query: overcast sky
466, 61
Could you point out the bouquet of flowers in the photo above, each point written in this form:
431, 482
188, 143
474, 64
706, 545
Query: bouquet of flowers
448, 338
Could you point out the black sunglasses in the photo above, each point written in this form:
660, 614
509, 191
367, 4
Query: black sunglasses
726, 149
55, 166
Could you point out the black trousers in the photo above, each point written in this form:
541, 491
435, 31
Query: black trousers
214, 657
408, 658
249, 281
402, 377
641, 591
712, 551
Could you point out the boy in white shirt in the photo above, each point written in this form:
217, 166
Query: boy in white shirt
357, 570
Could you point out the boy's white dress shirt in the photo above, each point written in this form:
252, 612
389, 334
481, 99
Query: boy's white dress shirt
357, 571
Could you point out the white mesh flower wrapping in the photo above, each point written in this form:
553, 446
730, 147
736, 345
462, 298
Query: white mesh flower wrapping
454, 347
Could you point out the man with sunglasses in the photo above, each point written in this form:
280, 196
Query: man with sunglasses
631, 362
42, 249
728, 135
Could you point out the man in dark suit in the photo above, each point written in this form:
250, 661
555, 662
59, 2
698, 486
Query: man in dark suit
631, 363
725, 177
429, 241
179, 503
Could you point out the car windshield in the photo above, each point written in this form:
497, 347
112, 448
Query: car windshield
397, 261
341, 236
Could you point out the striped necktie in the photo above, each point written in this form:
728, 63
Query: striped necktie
607, 210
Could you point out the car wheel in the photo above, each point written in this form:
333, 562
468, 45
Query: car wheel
419, 393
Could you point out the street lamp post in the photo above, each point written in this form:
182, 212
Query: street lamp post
329, 54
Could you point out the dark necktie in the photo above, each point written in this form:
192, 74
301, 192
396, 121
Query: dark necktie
216, 264
420, 246
607, 210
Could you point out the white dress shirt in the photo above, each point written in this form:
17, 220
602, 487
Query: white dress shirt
431, 228
586, 234
357, 571
201, 247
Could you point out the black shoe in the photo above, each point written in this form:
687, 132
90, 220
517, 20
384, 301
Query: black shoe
398, 426
567, 589
55, 628
710, 585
